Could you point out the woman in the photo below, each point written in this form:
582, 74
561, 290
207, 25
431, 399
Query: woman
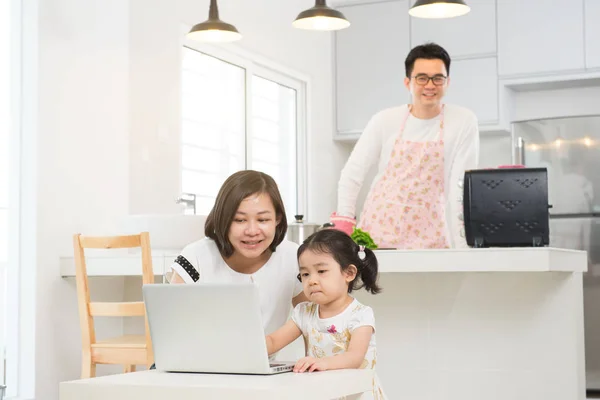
245, 242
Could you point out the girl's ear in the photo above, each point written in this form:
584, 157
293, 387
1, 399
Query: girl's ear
350, 273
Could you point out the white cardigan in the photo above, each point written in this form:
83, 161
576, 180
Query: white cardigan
461, 152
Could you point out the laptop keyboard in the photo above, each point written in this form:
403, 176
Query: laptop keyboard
272, 365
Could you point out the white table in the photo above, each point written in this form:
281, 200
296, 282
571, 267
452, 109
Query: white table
155, 385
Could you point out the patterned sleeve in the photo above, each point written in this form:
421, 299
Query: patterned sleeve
297, 285
361, 316
296, 273
185, 267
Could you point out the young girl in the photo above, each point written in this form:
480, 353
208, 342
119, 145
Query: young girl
339, 332
245, 242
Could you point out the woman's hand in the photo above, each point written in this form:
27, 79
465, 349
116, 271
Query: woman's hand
311, 364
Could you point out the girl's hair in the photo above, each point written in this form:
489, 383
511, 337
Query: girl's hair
236, 188
345, 252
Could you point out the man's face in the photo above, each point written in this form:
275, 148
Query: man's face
427, 92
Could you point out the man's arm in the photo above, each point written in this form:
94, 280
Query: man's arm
364, 155
466, 157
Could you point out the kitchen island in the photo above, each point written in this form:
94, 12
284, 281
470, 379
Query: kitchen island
480, 324
465, 323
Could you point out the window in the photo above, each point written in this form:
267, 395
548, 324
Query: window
237, 115
273, 138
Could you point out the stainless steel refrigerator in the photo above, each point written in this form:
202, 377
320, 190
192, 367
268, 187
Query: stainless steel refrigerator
570, 149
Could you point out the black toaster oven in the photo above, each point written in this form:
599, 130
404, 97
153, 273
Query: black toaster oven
506, 207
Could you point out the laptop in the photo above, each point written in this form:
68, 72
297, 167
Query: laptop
208, 328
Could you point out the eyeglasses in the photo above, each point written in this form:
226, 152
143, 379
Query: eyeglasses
422, 79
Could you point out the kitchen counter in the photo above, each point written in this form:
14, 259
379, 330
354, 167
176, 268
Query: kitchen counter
481, 323
118, 263
114, 263
155, 385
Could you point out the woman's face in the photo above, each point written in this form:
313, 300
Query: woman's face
253, 227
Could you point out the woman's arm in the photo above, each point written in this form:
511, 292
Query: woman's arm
301, 298
282, 337
176, 278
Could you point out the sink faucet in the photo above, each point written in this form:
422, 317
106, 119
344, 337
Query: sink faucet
189, 200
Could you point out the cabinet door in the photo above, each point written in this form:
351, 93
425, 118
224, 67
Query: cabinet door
592, 33
474, 84
369, 62
468, 35
537, 36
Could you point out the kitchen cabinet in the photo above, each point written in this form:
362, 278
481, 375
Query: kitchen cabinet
592, 33
474, 84
540, 36
369, 63
469, 35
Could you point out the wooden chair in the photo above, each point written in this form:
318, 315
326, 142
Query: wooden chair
128, 350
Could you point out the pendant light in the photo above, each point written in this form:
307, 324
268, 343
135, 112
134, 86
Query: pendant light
213, 29
321, 18
436, 9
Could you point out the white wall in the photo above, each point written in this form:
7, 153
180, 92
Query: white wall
108, 134
82, 165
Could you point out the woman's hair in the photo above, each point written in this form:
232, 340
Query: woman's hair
345, 252
236, 188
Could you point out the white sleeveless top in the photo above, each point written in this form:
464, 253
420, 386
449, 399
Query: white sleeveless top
277, 280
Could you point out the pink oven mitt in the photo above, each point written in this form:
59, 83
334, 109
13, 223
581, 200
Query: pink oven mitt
344, 224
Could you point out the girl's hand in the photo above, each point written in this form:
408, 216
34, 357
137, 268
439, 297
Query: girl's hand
282, 337
311, 364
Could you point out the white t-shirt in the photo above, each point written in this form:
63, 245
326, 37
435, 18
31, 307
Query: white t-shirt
461, 152
277, 280
327, 337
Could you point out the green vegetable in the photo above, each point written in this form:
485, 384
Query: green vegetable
363, 238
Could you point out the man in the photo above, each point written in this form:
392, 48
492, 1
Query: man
422, 151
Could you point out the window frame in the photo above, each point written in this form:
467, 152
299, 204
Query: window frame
254, 64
